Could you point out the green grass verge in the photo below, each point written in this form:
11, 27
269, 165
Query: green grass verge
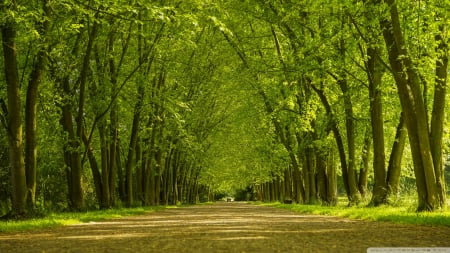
70, 218
398, 214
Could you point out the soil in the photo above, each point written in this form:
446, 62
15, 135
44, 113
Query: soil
225, 227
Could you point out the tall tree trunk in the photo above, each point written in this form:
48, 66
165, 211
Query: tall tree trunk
375, 74
354, 196
15, 141
438, 113
31, 109
411, 98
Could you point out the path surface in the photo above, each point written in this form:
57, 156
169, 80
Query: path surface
225, 227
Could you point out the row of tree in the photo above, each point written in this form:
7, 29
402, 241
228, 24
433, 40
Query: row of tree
328, 74
159, 102
118, 101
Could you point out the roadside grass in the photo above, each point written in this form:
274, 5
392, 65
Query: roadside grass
70, 218
403, 213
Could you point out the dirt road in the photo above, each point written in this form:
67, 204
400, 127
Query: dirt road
225, 227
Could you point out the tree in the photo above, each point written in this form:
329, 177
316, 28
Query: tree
409, 90
14, 119
23, 157
36, 77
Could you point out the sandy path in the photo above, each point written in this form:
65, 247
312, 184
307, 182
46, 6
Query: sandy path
225, 227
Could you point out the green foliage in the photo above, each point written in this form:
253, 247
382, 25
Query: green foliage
226, 86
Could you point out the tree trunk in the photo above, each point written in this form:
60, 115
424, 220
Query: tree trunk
31, 110
114, 135
338, 138
151, 183
322, 183
121, 175
158, 177
175, 167
332, 196
438, 113
364, 168
299, 190
104, 154
408, 85
94, 170
287, 184
309, 172
354, 196
71, 155
305, 175
395, 160
375, 74
132, 146
15, 141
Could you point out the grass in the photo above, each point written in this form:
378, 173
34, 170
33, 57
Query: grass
70, 218
403, 213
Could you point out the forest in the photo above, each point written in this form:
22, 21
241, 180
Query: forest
117, 103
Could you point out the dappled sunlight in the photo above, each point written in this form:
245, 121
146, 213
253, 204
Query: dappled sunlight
222, 228
30, 236
104, 236
240, 238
